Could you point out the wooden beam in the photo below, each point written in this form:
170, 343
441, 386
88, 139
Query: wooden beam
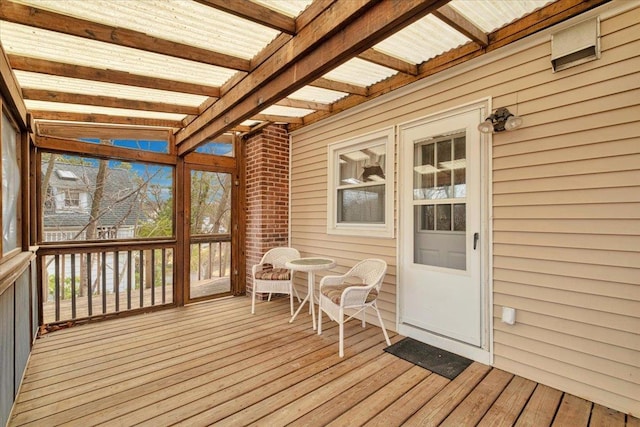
53, 68
106, 101
274, 118
256, 13
103, 118
100, 150
299, 103
339, 86
454, 19
76, 131
389, 61
312, 12
44, 19
351, 28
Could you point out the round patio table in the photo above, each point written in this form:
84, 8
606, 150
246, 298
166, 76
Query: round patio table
310, 265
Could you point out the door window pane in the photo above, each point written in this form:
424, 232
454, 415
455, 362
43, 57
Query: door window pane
440, 176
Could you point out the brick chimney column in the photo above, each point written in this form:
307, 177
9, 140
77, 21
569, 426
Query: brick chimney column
267, 193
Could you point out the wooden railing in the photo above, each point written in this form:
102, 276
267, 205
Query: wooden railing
85, 281
210, 265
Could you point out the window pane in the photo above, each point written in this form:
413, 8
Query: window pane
10, 187
443, 217
427, 217
157, 146
460, 217
216, 149
361, 205
440, 168
364, 165
91, 199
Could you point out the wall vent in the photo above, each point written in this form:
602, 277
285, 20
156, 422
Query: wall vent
575, 45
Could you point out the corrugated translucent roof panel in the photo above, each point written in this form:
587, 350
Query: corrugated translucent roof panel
187, 22
32, 42
85, 87
90, 109
360, 73
422, 40
291, 8
490, 15
279, 110
316, 94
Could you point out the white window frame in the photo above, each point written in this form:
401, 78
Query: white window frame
386, 230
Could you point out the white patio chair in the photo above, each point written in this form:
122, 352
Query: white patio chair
271, 276
338, 293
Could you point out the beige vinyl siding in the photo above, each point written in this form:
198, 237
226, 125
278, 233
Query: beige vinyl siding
566, 224
565, 207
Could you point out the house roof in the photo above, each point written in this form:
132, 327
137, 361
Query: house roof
205, 67
120, 204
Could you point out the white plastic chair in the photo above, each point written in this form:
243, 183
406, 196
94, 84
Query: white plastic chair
271, 275
338, 293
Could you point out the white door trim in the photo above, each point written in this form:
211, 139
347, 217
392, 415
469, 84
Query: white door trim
484, 353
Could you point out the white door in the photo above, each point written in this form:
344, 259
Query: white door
440, 246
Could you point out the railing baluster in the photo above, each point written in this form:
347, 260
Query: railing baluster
152, 261
104, 282
211, 260
141, 278
199, 261
62, 274
56, 286
164, 275
89, 286
130, 277
220, 269
116, 278
73, 286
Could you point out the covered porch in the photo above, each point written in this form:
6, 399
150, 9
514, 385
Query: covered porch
215, 363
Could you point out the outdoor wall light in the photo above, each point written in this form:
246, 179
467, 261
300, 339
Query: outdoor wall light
501, 120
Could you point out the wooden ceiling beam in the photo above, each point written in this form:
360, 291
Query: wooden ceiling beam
276, 118
299, 103
344, 30
43, 66
454, 19
103, 118
324, 83
66, 145
105, 101
389, 61
47, 20
254, 12
77, 131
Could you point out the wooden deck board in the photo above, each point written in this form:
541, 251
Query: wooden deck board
215, 363
605, 417
507, 408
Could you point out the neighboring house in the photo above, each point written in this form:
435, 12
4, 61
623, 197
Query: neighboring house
69, 201
551, 227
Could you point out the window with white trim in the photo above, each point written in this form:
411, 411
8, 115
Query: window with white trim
360, 185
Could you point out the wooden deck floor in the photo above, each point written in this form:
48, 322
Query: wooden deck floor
215, 363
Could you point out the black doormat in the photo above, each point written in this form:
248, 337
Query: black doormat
436, 360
